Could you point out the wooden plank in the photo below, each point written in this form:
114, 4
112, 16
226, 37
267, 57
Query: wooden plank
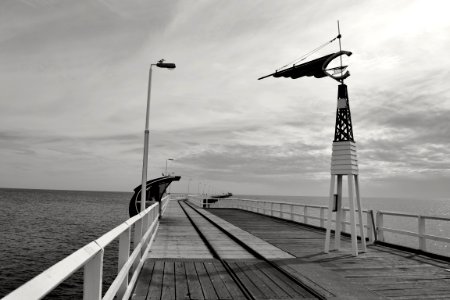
143, 282
399, 274
231, 286
155, 290
205, 281
168, 287
177, 238
287, 285
249, 285
219, 286
264, 284
181, 291
195, 290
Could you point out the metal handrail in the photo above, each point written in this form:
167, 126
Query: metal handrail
91, 258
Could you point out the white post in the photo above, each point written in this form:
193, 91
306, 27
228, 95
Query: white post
337, 233
146, 132
322, 217
380, 233
370, 228
344, 219
360, 215
305, 214
352, 215
422, 240
330, 211
93, 277
124, 254
138, 232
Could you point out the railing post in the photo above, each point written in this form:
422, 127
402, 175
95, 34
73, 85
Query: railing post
422, 240
93, 277
370, 228
305, 214
137, 239
271, 209
124, 254
292, 212
322, 217
380, 233
344, 219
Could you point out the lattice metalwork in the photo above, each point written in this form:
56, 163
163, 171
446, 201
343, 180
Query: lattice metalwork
343, 130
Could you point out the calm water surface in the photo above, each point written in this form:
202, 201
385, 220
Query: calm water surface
40, 227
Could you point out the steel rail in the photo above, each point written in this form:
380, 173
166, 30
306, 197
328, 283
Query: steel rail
259, 256
216, 255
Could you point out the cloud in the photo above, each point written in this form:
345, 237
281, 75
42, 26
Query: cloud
74, 88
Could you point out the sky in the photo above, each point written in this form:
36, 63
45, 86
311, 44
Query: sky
74, 80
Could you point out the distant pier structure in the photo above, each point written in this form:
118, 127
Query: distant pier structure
344, 160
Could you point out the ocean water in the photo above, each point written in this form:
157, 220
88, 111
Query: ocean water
40, 227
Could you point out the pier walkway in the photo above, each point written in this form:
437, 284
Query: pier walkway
250, 256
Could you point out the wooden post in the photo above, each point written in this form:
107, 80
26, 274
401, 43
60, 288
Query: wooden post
422, 240
322, 217
337, 233
138, 233
360, 215
93, 277
305, 214
352, 216
380, 233
370, 228
330, 212
344, 219
124, 254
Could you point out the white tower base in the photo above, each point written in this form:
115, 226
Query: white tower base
344, 162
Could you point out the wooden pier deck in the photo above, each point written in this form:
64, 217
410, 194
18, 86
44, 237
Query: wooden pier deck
286, 261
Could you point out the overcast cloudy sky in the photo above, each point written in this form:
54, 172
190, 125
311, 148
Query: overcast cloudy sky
73, 84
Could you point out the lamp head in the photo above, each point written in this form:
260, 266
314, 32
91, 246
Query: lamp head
162, 64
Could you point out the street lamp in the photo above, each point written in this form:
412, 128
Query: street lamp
189, 183
166, 165
159, 64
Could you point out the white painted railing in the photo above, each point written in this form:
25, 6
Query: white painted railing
316, 215
301, 213
421, 233
143, 226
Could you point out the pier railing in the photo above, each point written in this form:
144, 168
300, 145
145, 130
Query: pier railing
421, 234
143, 228
377, 223
302, 213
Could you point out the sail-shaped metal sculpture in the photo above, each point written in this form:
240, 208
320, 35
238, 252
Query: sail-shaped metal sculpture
317, 68
344, 160
155, 189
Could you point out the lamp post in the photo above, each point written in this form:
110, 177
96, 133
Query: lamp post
159, 64
166, 165
189, 183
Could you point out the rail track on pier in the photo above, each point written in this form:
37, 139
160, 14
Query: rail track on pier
232, 268
208, 228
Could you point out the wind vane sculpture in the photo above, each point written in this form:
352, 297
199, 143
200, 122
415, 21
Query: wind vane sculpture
344, 161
